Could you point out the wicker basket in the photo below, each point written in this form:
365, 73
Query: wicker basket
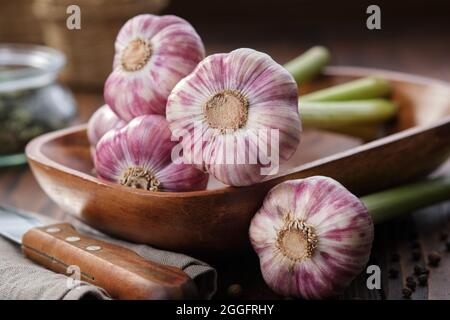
18, 24
89, 50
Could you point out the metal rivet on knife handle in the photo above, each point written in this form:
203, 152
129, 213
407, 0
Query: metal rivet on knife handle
53, 230
93, 248
73, 239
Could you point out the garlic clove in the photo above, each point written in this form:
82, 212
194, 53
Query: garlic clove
312, 236
103, 120
235, 102
139, 156
152, 54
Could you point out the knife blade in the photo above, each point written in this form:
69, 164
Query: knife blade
120, 271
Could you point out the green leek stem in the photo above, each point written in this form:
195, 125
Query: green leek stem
329, 115
309, 64
390, 203
332, 108
365, 88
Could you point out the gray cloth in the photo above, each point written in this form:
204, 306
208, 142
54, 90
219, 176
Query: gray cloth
22, 279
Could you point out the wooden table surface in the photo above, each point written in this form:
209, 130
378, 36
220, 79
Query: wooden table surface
415, 235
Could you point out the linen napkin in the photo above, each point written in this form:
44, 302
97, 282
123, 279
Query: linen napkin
21, 279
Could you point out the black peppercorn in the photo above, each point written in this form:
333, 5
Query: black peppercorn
407, 293
411, 283
234, 291
434, 258
423, 280
418, 270
447, 246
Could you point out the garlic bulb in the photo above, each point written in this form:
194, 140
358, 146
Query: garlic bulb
139, 156
233, 111
312, 236
152, 54
103, 120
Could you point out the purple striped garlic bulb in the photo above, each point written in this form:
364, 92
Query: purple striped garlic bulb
103, 120
152, 54
139, 156
233, 111
312, 236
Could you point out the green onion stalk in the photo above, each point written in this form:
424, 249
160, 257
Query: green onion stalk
357, 107
390, 203
309, 64
360, 89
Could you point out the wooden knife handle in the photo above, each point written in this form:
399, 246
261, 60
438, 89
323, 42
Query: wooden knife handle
121, 272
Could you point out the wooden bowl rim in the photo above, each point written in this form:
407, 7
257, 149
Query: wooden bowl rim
34, 153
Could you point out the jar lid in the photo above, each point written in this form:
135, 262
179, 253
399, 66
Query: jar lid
26, 66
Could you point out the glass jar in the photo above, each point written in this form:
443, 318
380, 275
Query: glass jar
32, 102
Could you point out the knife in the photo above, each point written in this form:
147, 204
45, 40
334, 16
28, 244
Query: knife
120, 271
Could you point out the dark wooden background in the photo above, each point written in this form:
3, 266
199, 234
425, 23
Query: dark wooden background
415, 38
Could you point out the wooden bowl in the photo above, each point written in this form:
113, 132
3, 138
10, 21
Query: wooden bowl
216, 221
